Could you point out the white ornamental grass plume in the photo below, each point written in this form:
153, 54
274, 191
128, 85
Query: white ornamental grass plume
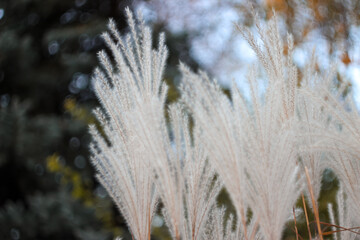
347, 168
191, 176
184, 179
217, 230
141, 154
221, 227
268, 138
338, 137
348, 229
252, 147
213, 113
309, 116
345, 148
132, 97
253, 144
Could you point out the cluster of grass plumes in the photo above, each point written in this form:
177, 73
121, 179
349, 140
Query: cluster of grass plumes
266, 151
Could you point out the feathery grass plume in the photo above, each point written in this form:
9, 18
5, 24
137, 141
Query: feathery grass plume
347, 168
345, 220
217, 230
251, 144
185, 181
310, 115
216, 226
132, 97
339, 137
141, 151
183, 178
213, 113
271, 162
252, 147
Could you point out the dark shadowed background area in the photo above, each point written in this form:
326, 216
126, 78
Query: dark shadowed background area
47, 55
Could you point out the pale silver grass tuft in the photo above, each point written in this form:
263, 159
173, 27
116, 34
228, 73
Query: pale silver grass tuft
257, 140
271, 165
339, 137
216, 229
213, 113
251, 145
132, 95
219, 228
347, 169
344, 218
141, 151
192, 178
184, 179
309, 116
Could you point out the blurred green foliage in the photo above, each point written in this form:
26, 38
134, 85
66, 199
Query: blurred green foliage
47, 55
47, 52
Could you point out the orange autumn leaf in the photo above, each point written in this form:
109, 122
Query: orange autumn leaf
278, 5
345, 58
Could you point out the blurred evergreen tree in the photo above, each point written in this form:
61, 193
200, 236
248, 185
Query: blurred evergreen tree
47, 51
47, 54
